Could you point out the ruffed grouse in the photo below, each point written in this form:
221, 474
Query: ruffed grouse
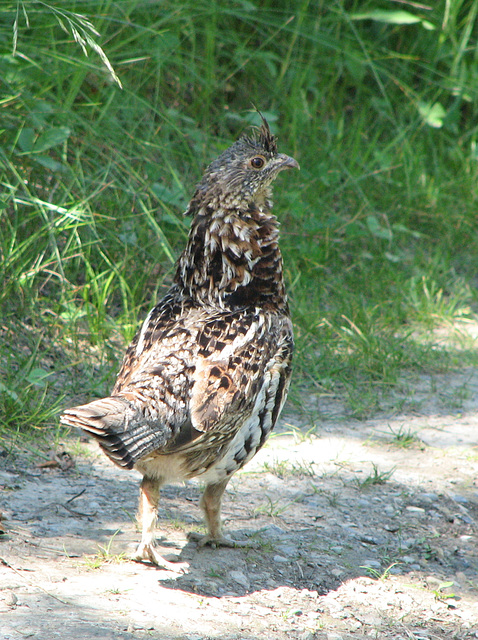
204, 380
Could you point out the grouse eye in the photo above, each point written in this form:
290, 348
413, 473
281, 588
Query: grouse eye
258, 162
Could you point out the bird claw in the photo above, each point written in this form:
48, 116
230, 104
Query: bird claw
147, 553
221, 541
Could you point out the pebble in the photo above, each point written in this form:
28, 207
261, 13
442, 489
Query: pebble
135, 625
427, 497
406, 544
278, 558
396, 570
339, 615
371, 620
10, 599
432, 581
371, 540
273, 531
460, 499
287, 550
240, 578
6, 477
415, 510
313, 615
363, 503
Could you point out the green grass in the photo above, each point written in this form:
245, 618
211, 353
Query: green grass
376, 477
379, 228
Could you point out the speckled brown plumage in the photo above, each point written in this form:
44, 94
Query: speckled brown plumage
204, 380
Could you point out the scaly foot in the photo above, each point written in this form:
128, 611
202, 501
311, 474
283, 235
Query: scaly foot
147, 553
221, 541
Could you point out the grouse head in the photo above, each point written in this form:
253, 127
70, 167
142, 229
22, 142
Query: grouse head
232, 258
241, 176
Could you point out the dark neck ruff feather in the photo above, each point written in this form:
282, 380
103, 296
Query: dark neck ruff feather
233, 260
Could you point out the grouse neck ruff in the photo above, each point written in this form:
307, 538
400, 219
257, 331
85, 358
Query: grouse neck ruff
232, 258
204, 380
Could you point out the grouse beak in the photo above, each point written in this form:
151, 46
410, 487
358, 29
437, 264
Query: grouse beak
286, 162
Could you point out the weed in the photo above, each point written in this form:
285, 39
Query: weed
272, 508
403, 437
439, 591
376, 477
104, 555
214, 573
333, 498
382, 576
285, 468
298, 434
95, 179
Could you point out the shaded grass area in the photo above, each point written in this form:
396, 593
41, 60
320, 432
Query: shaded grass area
378, 230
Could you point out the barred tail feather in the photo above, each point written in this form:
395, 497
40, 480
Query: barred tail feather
121, 429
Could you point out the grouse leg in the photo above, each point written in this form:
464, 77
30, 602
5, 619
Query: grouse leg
147, 517
211, 505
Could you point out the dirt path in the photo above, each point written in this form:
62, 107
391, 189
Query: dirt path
363, 529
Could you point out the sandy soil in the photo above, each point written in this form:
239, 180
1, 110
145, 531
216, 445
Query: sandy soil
359, 529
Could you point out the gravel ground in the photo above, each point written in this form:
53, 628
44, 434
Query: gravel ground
361, 529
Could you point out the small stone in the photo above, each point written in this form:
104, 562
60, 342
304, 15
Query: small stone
415, 510
313, 615
370, 540
339, 615
240, 578
136, 625
10, 599
427, 497
273, 531
287, 550
278, 558
396, 570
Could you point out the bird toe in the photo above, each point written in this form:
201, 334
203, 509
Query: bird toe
147, 553
219, 541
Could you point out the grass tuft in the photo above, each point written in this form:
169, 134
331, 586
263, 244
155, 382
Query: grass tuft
378, 230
